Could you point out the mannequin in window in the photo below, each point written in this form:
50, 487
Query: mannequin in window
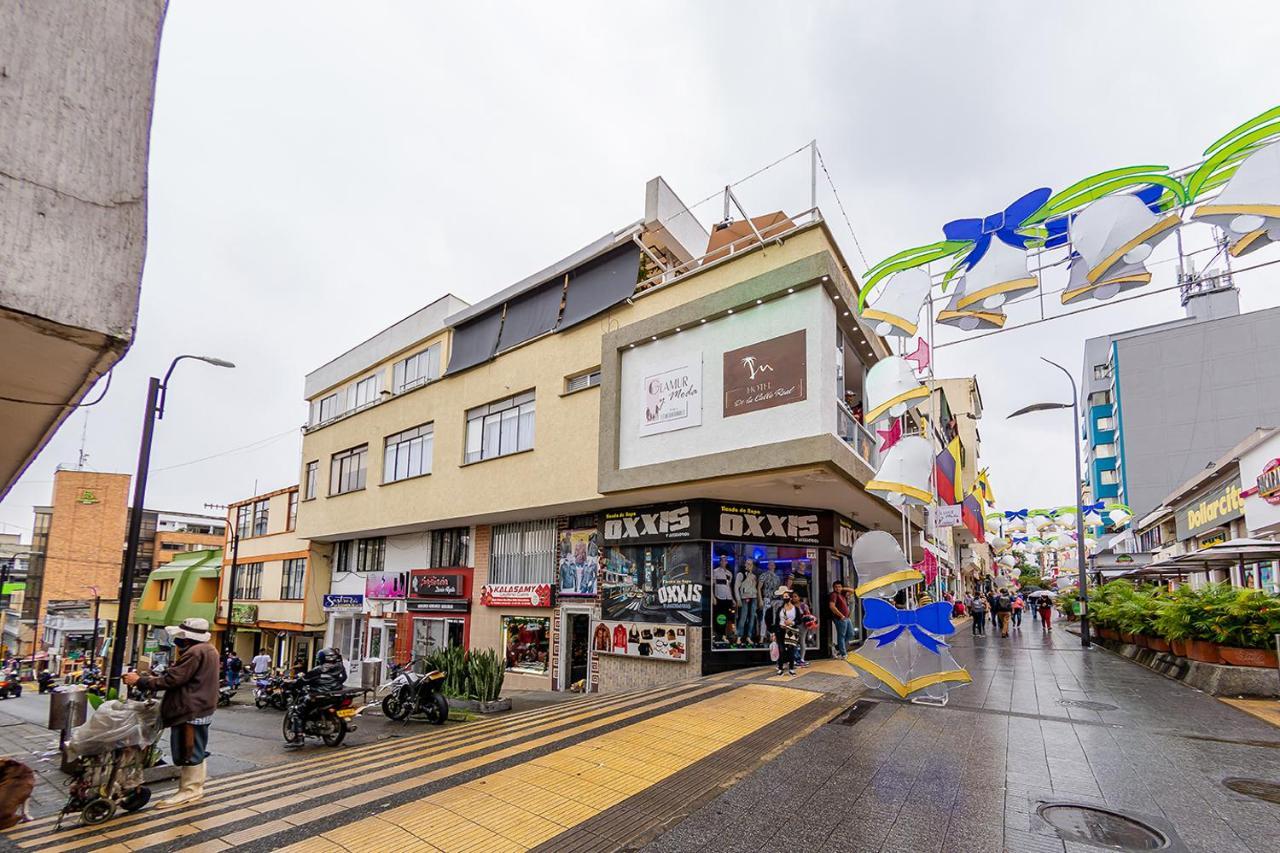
745, 592
767, 585
721, 594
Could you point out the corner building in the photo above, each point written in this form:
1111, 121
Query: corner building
605, 470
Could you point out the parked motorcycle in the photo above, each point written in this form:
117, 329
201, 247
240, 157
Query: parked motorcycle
268, 692
410, 693
44, 681
91, 678
225, 693
315, 714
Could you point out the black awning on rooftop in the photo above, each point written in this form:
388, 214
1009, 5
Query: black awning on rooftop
601, 284
475, 341
531, 314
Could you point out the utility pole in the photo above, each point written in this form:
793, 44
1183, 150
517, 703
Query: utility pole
231, 589
97, 603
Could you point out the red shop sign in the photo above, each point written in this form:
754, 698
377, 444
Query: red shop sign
425, 583
516, 595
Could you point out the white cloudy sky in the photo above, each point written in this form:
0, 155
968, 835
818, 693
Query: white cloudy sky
319, 171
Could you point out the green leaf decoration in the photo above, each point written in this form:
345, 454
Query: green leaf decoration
1056, 200
909, 259
1195, 184
1263, 118
1096, 192
955, 269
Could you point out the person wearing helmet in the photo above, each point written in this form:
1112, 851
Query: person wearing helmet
327, 676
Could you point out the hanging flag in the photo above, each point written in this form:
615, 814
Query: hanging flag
971, 515
982, 488
946, 468
958, 488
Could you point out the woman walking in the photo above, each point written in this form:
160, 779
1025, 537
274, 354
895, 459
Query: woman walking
786, 631
1046, 613
978, 607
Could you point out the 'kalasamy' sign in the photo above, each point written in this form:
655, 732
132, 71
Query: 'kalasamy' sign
431, 584
764, 375
516, 595
1204, 513
673, 398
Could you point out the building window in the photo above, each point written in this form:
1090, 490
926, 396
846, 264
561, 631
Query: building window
364, 392
163, 589
291, 574
1105, 451
430, 635
309, 481
448, 548
500, 428
1100, 398
249, 581
1108, 478
325, 409
526, 642
293, 510
1106, 424
1102, 371
408, 454
260, 512
418, 369
244, 520
347, 470
360, 555
582, 381
524, 552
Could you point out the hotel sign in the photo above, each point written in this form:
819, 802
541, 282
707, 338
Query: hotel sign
766, 374
1215, 509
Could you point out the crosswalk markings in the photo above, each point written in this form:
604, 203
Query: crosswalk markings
529, 804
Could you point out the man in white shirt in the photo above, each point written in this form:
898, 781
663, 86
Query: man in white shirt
261, 663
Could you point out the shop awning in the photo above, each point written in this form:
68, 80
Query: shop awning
601, 284
475, 341
531, 314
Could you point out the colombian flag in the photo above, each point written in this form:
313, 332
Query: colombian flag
982, 488
947, 473
971, 514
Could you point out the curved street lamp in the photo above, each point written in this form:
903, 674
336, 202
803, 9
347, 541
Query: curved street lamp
1075, 453
156, 390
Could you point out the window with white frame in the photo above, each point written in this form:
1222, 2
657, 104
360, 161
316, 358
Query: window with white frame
408, 454
292, 573
364, 392
309, 481
448, 547
418, 369
500, 428
1106, 424
1108, 478
582, 381
249, 581
360, 555
1105, 451
347, 470
325, 409
523, 552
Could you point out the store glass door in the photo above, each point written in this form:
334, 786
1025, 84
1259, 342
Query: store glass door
578, 655
432, 634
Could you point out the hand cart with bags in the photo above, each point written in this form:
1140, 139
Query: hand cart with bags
108, 755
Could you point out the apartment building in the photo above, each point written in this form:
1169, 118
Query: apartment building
274, 585
955, 409
15, 561
604, 470
179, 533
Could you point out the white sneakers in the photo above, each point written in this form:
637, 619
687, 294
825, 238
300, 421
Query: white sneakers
190, 787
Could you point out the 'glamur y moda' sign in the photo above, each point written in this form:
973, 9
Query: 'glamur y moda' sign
673, 398
763, 375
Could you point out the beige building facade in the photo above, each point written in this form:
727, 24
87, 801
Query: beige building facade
565, 471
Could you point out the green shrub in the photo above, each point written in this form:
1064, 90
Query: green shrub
485, 672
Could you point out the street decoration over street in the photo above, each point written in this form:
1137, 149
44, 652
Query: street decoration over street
882, 567
903, 476
892, 389
896, 310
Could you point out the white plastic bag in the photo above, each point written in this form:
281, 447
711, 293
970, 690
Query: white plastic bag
773, 650
115, 724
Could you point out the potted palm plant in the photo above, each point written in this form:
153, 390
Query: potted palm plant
1248, 622
1208, 612
1173, 621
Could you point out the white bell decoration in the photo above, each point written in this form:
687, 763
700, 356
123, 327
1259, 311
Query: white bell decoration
1008, 561
969, 319
1067, 518
1015, 572
992, 524
1248, 208
1093, 517
999, 276
903, 477
896, 309
1112, 237
1119, 515
999, 542
882, 567
892, 389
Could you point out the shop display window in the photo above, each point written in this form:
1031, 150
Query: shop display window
654, 583
744, 580
527, 643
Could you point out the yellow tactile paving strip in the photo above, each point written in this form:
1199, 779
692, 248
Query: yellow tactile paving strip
357, 767
1267, 710
531, 803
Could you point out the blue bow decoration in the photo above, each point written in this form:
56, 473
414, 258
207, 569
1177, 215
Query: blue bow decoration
1017, 513
1002, 225
935, 618
1019, 540
1094, 507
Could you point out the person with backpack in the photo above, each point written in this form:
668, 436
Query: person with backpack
1018, 605
978, 606
1004, 610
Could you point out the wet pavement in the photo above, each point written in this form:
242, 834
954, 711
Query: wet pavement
1043, 721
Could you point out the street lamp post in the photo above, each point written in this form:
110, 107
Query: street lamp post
231, 586
1085, 639
156, 390
97, 602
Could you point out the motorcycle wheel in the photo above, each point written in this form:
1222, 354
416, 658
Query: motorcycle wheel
17, 691
290, 736
278, 701
97, 811
333, 729
224, 701
261, 702
394, 708
136, 799
439, 710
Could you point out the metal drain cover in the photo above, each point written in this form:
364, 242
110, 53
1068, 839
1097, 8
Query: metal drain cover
1091, 825
1087, 705
857, 711
1256, 788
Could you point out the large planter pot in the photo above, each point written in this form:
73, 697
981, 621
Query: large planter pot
1179, 647
1247, 657
1126, 637
1203, 651
1158, 644
1108, 634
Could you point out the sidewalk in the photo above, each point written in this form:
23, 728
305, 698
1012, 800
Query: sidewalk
1043, 720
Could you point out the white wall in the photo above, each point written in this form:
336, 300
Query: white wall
809, 309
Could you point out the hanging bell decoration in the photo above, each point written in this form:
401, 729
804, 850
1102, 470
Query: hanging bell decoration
892, 389
882, 567
903, 477
1112, 237
1248, 208
969, 319
896, 309
1119, 514
999, 276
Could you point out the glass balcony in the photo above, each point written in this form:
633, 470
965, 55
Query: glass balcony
857, 436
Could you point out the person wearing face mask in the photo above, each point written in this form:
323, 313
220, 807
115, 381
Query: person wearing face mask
190, 687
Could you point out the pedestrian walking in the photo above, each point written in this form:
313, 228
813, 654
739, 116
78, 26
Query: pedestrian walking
235, 669
991, 608
786, 631
807, 623
190, 688
1018, 605
841, 616
261, 663
979, 607
1003, 609
1046, 613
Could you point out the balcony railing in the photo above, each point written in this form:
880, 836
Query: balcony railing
857, 436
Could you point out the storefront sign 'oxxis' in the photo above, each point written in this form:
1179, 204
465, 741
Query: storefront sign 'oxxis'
714, 520
432, 584
516, 595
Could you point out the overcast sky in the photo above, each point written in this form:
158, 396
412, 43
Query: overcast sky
319, 171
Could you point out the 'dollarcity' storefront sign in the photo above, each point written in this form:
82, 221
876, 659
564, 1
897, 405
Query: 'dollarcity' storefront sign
1215, 509
726, 521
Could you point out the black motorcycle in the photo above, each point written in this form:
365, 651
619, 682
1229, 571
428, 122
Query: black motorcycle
91, 678
410, 693
268, 692
44, 681
310, 713
225, 693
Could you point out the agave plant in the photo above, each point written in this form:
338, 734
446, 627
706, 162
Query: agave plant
485, 672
